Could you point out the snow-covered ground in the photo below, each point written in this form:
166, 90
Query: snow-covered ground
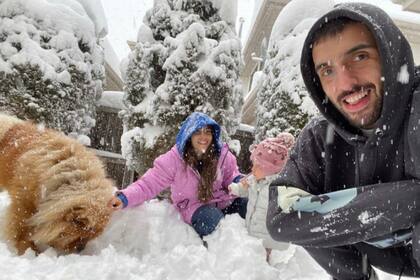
150, 242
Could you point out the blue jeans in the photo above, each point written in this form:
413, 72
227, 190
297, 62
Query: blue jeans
206, 218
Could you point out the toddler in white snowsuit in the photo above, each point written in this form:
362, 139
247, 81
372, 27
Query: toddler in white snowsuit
268, 159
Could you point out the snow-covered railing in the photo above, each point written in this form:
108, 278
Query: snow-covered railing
106, 137
245, 134
115, 167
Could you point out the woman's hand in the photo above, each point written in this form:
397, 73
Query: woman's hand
115, 203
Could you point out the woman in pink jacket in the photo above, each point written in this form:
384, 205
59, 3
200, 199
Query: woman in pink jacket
198, 169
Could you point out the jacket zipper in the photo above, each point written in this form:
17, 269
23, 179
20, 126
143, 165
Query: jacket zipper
195, 171
254, 207
357, 175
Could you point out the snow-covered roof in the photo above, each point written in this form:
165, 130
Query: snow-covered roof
112, 99
96, 13
111, 57
394, 10
246, 127
107, 154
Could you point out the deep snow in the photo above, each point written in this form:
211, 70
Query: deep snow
150, 242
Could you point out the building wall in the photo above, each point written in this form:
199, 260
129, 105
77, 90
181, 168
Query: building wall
261, 29
113, 81
409, 5
412, 33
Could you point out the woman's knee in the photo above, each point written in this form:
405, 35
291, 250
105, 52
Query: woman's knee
205, 219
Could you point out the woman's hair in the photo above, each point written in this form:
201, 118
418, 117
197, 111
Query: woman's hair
208, 171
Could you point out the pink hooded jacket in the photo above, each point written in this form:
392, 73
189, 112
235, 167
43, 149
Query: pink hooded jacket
170, 170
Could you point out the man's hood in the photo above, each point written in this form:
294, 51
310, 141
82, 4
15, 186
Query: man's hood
397, 69
193, 123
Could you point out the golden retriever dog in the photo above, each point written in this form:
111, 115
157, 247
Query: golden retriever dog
58, 188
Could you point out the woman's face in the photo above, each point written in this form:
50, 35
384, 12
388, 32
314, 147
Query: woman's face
201, 140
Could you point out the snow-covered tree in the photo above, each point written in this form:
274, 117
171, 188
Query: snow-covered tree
283, 104
51, 66
187, 59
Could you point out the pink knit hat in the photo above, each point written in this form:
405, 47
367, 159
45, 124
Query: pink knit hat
271, 154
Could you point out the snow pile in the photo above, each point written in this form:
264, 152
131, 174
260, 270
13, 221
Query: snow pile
151, 242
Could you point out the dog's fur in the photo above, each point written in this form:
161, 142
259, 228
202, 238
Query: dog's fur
58, 188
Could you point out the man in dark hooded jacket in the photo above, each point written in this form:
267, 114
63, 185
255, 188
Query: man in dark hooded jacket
350, 192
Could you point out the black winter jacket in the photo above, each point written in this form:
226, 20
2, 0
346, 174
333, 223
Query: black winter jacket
380, 174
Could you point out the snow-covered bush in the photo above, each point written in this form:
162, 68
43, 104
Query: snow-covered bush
51, 66
187, 59
283, 104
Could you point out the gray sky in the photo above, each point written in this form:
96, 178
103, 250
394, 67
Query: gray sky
124, 18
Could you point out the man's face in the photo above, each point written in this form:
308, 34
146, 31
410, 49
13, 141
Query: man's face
348, 66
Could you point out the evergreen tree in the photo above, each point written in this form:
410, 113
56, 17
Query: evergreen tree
283, 103
189, 62
51, 68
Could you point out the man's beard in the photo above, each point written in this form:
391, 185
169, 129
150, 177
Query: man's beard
368, 119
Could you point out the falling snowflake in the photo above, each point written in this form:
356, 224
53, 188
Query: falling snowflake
403, 75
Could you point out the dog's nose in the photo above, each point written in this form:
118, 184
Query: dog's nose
80, 247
